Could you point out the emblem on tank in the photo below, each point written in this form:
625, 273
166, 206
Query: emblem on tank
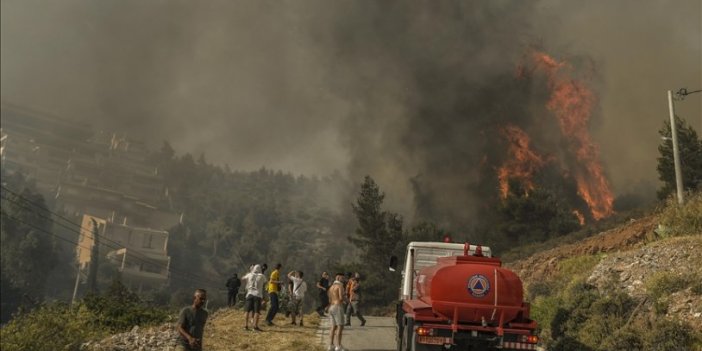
478, 285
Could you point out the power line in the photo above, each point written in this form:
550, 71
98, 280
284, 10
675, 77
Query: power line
79, 227
135, 255
44, 231
173, 273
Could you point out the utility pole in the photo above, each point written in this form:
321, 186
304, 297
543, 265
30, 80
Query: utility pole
94, 254
676, 152
75, 287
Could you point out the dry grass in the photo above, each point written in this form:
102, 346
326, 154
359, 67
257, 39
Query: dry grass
225, 331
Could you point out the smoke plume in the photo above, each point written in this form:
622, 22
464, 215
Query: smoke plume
414, 93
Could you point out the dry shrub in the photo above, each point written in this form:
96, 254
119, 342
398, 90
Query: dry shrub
225, 331
682, 220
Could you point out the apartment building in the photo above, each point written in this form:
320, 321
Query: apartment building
140, 254
93, 175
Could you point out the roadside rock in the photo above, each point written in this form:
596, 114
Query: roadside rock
629, 271
161, 338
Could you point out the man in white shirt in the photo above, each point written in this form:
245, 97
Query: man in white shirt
254, 295
298, 295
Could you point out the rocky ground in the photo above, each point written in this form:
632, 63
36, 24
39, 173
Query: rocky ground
670, 260
541, 266
224, 331
630, 255
161, 338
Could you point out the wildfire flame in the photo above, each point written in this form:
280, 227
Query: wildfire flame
571, 102
581, 217
523, 162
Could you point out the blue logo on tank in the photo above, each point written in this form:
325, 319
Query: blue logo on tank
478, 285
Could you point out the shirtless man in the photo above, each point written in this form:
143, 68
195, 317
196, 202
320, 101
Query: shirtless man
336, 312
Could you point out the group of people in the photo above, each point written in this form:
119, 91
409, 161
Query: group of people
340, 299
258, 285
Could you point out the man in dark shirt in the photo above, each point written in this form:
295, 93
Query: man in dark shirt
322, 286
233, 285
191, 323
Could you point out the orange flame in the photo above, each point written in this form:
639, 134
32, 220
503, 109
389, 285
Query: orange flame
571, 101
523, 162
581, 217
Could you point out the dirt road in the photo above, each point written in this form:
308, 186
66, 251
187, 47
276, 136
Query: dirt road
377, 335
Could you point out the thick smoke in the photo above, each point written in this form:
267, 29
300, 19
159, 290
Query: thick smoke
412, 93
430, 82
235, 80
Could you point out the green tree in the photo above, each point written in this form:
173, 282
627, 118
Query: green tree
28, 251
377, 236
690, 147
536, 216
424, 231
378, 232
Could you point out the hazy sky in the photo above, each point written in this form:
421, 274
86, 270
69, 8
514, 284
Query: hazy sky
357, 86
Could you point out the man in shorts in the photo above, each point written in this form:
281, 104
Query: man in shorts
255, 282
297, 295
191, 323
336, 312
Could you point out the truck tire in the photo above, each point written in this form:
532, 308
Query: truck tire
399, 320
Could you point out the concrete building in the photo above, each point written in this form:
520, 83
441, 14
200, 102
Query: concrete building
95, 175
40, 145
140, 254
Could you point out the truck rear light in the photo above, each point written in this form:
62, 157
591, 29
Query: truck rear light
531, 339
424, 331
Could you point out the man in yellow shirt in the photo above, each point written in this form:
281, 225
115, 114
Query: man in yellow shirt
273, 291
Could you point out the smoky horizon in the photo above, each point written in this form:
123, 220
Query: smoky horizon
420, 95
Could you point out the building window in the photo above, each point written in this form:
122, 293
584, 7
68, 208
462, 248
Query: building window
148, 241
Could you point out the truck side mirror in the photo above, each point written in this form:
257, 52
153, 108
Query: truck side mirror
393, 264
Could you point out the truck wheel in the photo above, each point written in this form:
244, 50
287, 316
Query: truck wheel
406, 337
399, 320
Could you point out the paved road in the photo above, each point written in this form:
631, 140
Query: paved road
377, 335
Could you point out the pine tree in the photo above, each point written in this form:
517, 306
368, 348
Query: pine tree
372, 233
377, 236
690, 147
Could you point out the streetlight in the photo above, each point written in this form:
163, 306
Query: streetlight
676, 153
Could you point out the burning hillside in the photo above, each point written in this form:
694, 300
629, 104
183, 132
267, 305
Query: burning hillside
523, 161
570, 102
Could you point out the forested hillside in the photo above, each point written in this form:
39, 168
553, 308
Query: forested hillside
232, 219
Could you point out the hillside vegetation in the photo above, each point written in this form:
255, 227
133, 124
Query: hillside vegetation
634, 287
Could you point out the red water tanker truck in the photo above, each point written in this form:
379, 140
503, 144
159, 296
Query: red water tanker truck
458, 297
